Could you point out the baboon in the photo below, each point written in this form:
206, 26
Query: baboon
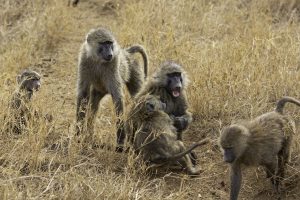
28, 82
265, 140
151, 132
103, 69
169, 82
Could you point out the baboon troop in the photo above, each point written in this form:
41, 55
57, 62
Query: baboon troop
159, 112
104, 67
265, 140
153, 135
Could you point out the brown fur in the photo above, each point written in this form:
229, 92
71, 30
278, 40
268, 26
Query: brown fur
153, 135
264, 141
97, 77
157, 85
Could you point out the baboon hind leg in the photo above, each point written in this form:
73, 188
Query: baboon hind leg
283, 158
271, 170
194, 158
186, 161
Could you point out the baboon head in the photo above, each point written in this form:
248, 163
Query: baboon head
29, 81
233, 142
102, 45
149, 105
172, 77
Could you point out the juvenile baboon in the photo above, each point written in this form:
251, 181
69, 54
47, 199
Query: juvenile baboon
103, 69
153, 135
28, 82
169, 82
265, 140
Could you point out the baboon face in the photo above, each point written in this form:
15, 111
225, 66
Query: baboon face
172, 78
174, 84
101, 44
154, 104
29, 80
106, 50
151, 104
233, 141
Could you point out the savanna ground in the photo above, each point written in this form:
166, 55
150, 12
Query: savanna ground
241, 57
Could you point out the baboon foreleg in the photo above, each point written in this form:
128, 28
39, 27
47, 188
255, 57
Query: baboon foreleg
181, 123
82, 103
95, 98
236, 180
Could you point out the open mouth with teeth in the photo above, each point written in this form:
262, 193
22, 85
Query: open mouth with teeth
176, 92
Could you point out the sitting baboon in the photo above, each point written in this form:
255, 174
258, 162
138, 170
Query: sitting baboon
28, 82
265, 140
151, 132
169, 82
103, 69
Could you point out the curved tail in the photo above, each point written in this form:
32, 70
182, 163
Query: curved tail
179, 155
283, 101
140, 49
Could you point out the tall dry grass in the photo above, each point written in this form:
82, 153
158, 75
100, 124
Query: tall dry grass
241, 56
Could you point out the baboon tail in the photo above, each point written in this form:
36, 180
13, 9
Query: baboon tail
140, 49
283, 101
179, 155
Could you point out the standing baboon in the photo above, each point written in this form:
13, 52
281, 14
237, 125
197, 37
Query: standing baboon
28, 82
153, 135
169, 83
264, 141
103, 69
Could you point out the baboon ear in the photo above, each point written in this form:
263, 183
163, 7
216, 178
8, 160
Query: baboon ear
19, 78
88, 37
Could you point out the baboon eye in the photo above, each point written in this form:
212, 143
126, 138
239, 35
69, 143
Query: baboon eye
174, 74
169, 82
106, 43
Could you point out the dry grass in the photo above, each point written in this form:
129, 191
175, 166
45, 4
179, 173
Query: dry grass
241, 56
